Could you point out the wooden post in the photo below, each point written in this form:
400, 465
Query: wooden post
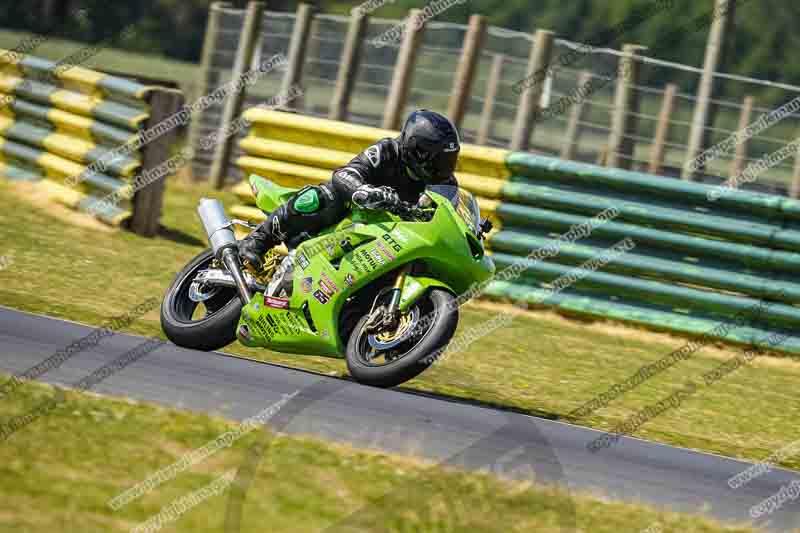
662, 130
570, 148
403, 70
348, 66
208, 76
624, 122
740, 158
794, 191
703, 111
528, 110
492, 85
467, 65
148, 200
297, 52
234, 100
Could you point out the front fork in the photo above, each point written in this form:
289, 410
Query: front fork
386, 317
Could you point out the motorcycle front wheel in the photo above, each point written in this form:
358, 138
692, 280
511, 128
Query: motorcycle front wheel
206, 325
434, 324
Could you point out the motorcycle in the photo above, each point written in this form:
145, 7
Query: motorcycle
378, 288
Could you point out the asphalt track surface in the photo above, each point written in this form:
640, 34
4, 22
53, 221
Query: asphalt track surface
443, 430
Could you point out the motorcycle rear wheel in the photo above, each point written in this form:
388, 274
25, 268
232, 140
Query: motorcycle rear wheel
212, 331
415, 355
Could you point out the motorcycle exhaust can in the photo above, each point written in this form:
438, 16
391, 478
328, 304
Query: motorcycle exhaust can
223, 242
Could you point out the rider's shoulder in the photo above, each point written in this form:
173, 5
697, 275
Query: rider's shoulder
383, 151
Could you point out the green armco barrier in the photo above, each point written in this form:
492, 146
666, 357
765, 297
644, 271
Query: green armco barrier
542, 168
641, 213
588, 306
739, 255
658, 293
635, 263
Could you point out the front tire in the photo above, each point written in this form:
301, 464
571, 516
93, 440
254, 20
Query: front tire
217, 328
417, 354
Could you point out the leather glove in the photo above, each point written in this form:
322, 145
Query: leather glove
370, 197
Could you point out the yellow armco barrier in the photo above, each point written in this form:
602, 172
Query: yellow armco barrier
57, 120
295, 150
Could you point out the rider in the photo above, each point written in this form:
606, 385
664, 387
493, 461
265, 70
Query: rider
387, 172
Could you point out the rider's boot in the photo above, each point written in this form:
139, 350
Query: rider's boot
266, 236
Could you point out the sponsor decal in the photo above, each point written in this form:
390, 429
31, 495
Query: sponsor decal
285, 324
330, 247
321, 297
386, 251
452, 147
244, 332
391, 242
373, 153
302, 260
400, 236
378, 257
276, 303
327, 285
349, 279
306, 284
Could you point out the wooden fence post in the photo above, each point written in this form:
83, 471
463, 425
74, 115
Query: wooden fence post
703, 110
297, 54
148, 200
571, 138
624, 120
403, 71
208, 76
348, 66
658, 148
467, 66
234, 100
492, 85
528, 110
740, 157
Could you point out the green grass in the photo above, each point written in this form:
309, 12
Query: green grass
541, 364
60, 471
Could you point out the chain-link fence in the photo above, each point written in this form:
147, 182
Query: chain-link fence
507, 52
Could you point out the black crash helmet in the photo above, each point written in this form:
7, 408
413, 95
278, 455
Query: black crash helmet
429, 146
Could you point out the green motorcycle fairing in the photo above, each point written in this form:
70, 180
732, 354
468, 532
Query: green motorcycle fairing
326, 274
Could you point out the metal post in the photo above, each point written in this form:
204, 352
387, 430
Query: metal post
703, 110
624, 122
297, 52
467, 65
662, 130
403, 71
538, 61
147, 201
233, 102
348, 66
492, 85
571, 138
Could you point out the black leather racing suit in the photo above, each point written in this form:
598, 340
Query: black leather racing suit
378, 165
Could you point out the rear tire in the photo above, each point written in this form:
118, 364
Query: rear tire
416, 360
212, 332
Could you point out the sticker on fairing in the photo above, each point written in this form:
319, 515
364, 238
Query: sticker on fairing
349, 279
373, 153
306, 284
276, 303
302, 260
321, 297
